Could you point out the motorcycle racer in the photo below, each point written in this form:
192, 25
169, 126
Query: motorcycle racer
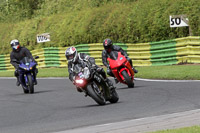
108, 47
74, 57
17, 54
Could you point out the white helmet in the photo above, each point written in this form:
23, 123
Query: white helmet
15, 44
71, 54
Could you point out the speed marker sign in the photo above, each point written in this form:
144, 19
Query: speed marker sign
45, 37
178, 21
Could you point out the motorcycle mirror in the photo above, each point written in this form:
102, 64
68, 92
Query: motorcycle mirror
36, 57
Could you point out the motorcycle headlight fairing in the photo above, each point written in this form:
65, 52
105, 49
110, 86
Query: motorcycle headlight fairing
79, 81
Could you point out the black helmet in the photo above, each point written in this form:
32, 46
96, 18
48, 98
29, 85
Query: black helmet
107, 44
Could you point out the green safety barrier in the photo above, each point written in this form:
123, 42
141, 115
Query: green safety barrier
163, 52
168, 52
2, 63
140, 54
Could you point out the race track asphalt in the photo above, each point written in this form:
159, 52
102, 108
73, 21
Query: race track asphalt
56, 105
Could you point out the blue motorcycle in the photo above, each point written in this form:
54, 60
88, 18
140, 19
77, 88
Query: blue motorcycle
27, 75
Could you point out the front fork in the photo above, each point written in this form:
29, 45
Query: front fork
24, 79
106, 90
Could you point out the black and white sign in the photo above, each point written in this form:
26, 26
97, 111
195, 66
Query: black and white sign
178, 21
45, 37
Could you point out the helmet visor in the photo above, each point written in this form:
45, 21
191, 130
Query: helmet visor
15, 45
71, 56
108, 48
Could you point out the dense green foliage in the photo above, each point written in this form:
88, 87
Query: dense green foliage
71, 22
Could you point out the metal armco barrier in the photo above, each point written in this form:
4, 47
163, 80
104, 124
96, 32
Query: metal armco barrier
168, 52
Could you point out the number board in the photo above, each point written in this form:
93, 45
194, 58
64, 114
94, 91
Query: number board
45, 37
178, 21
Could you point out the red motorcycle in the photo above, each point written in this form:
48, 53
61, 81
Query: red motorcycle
121, 68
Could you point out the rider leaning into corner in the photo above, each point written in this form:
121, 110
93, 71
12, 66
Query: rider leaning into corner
18, 53
108, 47
74, 57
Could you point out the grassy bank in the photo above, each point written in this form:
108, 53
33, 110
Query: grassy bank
45, 72
88, 21
178, 72
181, 72
193, 129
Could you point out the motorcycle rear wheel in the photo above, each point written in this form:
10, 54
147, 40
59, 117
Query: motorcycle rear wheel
95, 95
128, 80
25, 90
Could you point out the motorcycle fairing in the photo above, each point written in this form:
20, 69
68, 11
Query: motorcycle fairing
119, 65
26, 66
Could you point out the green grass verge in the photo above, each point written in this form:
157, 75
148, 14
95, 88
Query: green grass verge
43, 72
178, 72
193, 129
181, 72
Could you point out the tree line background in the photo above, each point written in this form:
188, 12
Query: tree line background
72, 22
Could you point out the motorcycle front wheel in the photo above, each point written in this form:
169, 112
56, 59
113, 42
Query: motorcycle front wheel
96, 94
30, 84
114, 97
128, 80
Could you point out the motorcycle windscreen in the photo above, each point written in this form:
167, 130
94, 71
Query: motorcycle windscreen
118, 61
27, 62
77, 69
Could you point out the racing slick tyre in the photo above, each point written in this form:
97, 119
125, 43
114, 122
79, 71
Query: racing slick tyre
25, 90
114, 96
96, 94
30, 84
127, 79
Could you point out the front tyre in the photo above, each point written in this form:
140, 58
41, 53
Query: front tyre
127, 79
114, 97
30, 84
96, 94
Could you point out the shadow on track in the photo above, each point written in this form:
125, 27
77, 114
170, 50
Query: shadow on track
96, 105
37, 92
125, 87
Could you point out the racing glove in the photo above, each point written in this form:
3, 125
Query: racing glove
108, 66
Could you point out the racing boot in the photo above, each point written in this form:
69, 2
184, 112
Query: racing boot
135, 71
34, 75
17, 83
110, 84
35, 82
16, 73
116, 80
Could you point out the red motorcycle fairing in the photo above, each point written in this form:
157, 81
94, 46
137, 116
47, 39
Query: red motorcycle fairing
78, 81
122, 63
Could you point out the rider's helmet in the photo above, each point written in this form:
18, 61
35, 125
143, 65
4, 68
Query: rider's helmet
71, 54
15, 44
107, 44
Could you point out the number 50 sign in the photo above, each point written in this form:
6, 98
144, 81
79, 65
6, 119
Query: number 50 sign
178, 20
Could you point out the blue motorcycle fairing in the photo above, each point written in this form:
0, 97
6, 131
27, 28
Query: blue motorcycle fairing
27, 66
